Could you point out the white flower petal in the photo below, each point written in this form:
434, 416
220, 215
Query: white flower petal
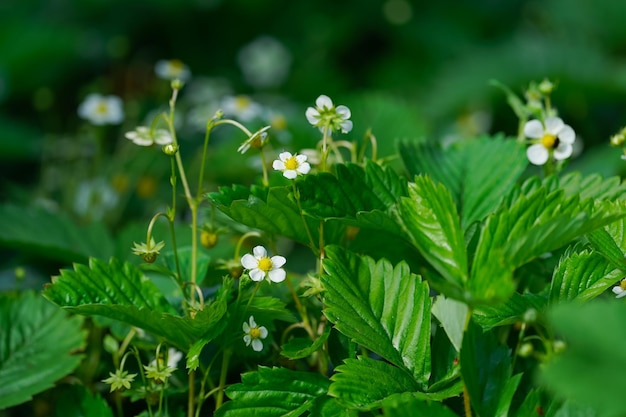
247, 339
533, 129
278, 261
537, 154
324, 101
304, 168
346, 126
259, 252
290, 174
618, 290
249, 262
301, 158
312, 115
256, 275
567, 135
554, 125
263, 332
279, 165
277, 275
142, 141
252, 322
563, 151
343, 111
257, 345
622, 294
246, 327
283, 156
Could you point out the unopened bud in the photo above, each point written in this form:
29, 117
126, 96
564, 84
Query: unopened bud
546, 87
208, 239
170, 149
525, 350
149, 257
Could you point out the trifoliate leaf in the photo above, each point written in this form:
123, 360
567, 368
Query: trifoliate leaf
381, 307
38, 344
274, 392
432, 223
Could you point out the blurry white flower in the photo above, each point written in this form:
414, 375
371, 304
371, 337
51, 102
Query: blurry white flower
552, 138
265, 62
173, 357
142, 136
241, 107
260, 265
620, 290
172, 69
101, 110
94, 198
254, 334
291, 165
325, 114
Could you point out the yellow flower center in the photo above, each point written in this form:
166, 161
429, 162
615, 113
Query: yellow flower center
549, 141
102, 108
255, 333
291, 163
176, 64
265, 264
622, 284
242, 102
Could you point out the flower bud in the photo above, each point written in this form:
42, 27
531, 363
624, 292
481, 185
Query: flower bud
149, 257
177, 84
170, 149
208, 239
546, 87
559, 346
525, 350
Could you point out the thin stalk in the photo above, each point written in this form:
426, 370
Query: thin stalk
466, 397
224, 373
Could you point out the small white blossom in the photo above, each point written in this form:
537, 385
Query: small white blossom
101, 110
143, 136
552, 138
620, 290
291, 165
254, 334
172, 69
265, 62
260, 265
241, 107
94, 198
326, 115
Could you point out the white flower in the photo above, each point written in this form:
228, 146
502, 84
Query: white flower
260, 265
172, 69
620, 290
101, 110
95, 198
264, 62
326, 115
291, 165
143, 136
241, 107
254, 334
553, 137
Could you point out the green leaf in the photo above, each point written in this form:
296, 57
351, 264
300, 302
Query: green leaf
408, 405
534, 223
364, 382
593, 186
431, 220
610, 241
273, 211
121, 292
381, 307
510, 312
591, 369
452, 316
506, 396
37, 345
184, 258
299, 347
52, 235
77, 401
355, 189
270, 392
477, 172
582, 275
485, 367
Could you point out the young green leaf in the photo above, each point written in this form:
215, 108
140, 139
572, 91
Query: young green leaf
452, 315
381, 307
408, 405
37, 345
431, 221
582, 275
299, 347
274, 392
512, 311
610, 241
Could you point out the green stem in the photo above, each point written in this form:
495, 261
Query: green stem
191, 396
224, 373
466, 397
264, 164
296, 194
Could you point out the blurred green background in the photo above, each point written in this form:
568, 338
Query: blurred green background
409, 70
